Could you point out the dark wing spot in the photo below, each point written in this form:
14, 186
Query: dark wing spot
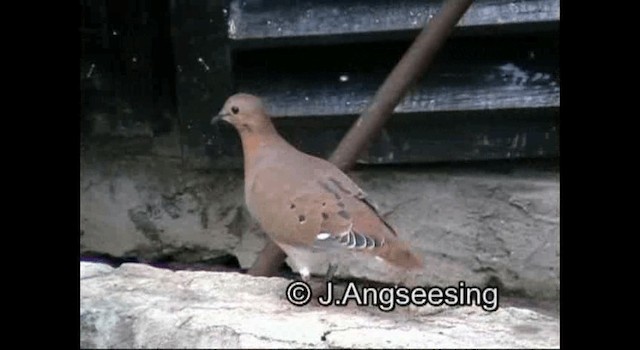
344, 214
293, 206
330, 190
325, 216
339, 185
340, 204
302, 218
324, 204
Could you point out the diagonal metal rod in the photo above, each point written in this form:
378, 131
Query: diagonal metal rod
368, 126
408, 70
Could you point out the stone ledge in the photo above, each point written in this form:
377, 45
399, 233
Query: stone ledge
137, 305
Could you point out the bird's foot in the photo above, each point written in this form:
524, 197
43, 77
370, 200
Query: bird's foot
318, 287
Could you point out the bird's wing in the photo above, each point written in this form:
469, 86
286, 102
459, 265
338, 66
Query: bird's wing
338, 214
341, 186
324, 209
332, 223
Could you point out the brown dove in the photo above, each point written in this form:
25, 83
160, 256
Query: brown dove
309, 207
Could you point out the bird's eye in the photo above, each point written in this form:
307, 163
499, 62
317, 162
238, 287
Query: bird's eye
235, 110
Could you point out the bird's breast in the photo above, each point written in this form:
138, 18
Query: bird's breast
272, 199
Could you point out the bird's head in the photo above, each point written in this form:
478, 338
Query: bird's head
245, 112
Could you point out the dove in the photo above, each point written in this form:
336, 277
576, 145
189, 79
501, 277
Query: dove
311, 209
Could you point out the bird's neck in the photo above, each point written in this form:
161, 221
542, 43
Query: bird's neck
255, 144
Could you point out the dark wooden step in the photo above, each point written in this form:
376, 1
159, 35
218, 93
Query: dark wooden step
470, 74
265, 23
414, 138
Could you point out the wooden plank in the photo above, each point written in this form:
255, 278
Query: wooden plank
415, 138
125, 56
470, 74
203, 69
511, 87
254, 19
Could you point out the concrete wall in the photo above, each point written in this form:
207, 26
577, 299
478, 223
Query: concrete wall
470, 224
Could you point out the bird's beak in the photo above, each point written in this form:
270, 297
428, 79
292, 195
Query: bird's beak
217, 118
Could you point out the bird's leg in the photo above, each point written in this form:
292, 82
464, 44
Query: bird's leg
331, 270
320, 290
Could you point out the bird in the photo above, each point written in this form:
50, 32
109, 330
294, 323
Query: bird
311, 209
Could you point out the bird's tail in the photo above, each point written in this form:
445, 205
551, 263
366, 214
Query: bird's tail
397, 253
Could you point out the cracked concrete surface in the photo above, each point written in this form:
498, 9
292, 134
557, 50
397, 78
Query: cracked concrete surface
470, 225
137, 305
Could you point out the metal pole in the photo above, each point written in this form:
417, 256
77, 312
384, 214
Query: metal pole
410, 68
